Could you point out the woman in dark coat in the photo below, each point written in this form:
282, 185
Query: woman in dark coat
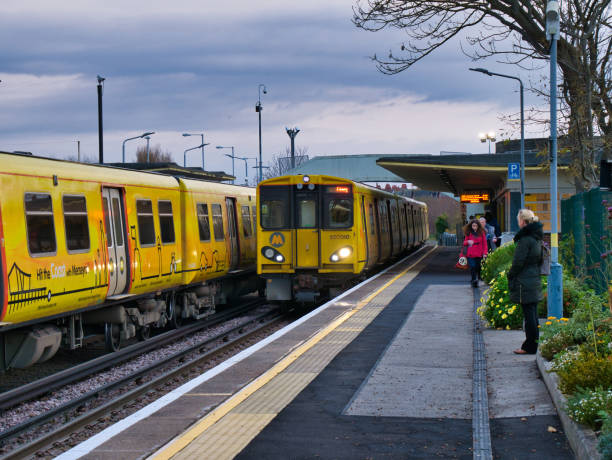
476, 242
524, 282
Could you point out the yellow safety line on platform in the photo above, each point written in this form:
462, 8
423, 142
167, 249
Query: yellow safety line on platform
213, 417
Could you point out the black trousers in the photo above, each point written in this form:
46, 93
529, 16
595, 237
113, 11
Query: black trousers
474, 263
532, 333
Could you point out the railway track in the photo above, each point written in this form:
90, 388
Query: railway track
25, 392
72, 417
149, 382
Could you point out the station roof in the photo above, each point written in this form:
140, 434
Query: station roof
460, 172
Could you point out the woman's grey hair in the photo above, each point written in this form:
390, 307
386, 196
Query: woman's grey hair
527, 216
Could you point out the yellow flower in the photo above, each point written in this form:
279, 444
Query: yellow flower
552, 317
548, 323
504, 316
499, 311
564, 319
501, 299
505, 292
508, 327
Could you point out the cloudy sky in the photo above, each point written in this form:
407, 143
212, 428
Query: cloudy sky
195, 66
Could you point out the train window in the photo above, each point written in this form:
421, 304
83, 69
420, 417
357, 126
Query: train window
146, 228
75, 221
166, 221
246, 221
306, 209
117, 222
203, 222
372, 223
254, 213
109, 236
338, 213
274, 204
217, 218
39, 221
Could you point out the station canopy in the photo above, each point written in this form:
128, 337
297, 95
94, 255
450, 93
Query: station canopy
460, 173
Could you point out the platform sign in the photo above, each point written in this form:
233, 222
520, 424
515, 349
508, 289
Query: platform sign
514, 171
474, 197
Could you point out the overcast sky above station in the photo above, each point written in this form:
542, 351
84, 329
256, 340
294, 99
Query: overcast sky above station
195, 66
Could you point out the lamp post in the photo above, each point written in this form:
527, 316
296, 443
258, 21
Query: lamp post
148, 138
258, 109
203, 144
555, 280
490, 136
486, 72
188, 150
231, 156
143, 135
292, 133
100, 136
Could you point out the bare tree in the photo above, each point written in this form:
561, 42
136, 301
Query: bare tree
155, 155
281, 162
514, 31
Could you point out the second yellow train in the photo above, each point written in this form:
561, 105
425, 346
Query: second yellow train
318, 233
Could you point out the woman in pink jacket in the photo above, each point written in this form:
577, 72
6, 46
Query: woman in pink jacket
476, 242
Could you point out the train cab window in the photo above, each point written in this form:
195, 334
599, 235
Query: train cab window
166, 221
203, 222
75, 221
146, 228
306, 209
246, 222
339, 213
217, 218
109, 236
39, 222
274, 206
254, 213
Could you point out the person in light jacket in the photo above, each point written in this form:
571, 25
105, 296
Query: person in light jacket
490, 233
476, 242
524, 281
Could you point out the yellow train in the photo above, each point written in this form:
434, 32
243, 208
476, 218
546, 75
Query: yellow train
319, 233
88, 249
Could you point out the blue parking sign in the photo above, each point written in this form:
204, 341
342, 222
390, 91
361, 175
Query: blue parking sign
514, 171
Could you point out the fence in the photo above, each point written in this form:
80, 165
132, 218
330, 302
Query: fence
586, 243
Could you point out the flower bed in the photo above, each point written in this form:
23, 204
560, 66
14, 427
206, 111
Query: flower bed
579, 346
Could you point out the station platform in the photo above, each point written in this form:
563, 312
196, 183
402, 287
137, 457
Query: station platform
397, 367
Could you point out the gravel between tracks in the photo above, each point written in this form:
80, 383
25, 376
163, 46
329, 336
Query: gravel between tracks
27, 410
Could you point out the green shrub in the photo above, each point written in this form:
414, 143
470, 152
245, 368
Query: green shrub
497, 261
553, 344
586, 406
586, 370
496, 307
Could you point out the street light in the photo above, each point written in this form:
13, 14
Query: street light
232, 157
143, 135
490, 136
100, 136
203, 144
148, 138
555, 280
258, 109
292, 133
185, 154
486, 72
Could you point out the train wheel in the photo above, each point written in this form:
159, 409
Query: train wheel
144, 333
112, 336
173, 312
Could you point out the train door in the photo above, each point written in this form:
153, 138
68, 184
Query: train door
390, 226
232, 229
378, 229
365, 230
307, 234
115, 237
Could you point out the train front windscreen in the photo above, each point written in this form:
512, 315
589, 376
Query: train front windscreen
285, 207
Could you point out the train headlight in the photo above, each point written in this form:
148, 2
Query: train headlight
272, 254
341, 253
